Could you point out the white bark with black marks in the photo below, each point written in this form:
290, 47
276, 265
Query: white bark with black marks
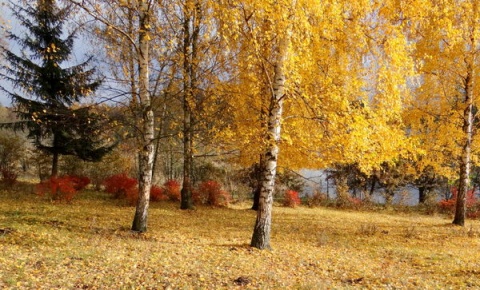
465, 158
263, 224
147, 146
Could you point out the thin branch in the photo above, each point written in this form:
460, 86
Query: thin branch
105, 21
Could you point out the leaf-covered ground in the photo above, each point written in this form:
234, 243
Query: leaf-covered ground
87, 245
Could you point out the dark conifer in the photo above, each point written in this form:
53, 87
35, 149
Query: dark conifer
45, 91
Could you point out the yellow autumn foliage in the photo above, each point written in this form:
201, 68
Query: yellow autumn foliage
346, 83
446, 35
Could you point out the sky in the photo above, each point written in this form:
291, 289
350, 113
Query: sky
7, 23
10, 23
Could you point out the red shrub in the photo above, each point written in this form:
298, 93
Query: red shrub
172, 190
80, 182
62, 187
157, 194
291, 198
447, 204
122, 186
211, 193
472, 205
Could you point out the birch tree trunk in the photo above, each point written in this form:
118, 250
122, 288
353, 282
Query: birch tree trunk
468, 119
261, 231
146, 118
147, 146
191, 30
186, 192
465, 158
258, 172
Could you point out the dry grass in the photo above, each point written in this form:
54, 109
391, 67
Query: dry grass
87, 245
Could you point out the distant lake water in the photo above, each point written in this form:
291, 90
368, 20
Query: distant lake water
317, 181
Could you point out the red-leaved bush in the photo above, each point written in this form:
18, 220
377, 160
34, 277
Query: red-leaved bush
79, 182
122, 186
157, 194
172, 190
291, 198
210, 193
62, 187
472, 205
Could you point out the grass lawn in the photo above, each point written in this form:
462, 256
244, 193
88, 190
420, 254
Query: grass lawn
87, 245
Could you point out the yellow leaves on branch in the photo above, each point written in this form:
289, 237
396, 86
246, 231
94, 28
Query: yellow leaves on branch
353, 70
326, 73
123, 3
446, 42
52, 48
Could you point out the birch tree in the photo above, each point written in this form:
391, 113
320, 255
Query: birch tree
192, 17
443, 112
143, 13
197, 65
274, 77
319, 80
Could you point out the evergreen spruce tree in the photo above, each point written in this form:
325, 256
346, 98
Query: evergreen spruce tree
46, 92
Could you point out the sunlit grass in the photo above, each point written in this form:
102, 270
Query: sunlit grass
87, 244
